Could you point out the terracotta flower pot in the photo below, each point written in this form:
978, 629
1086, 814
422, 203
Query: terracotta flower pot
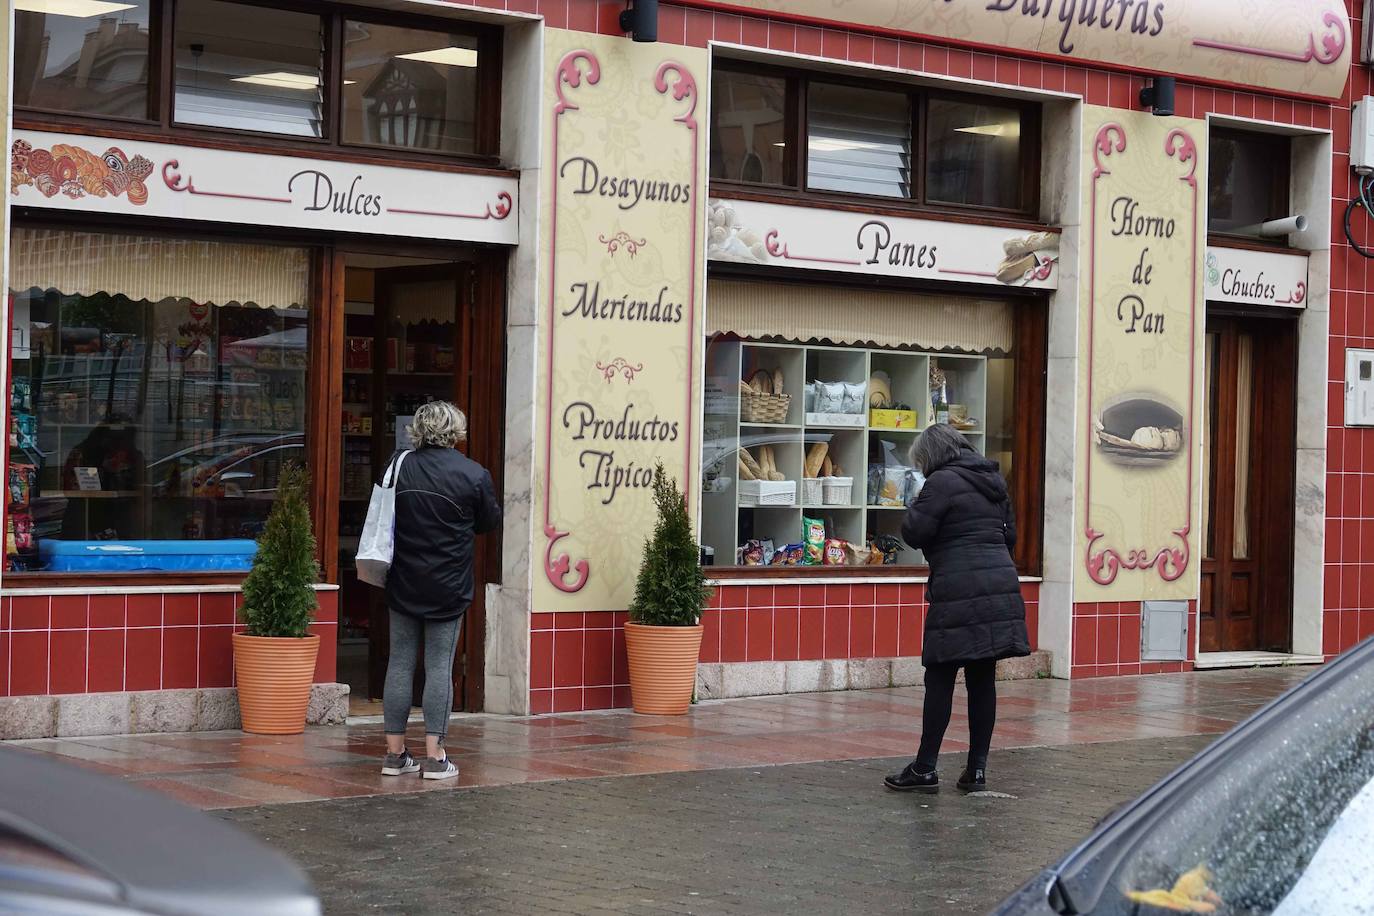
663, 667
274, 677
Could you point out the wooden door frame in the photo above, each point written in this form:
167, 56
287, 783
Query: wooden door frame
482, 287
1272, 490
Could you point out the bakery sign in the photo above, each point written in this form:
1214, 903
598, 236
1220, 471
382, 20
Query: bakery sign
132, 177
812, 238
1256, 277
1293, 46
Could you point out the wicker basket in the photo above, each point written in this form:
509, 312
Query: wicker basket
763, 408
811, 491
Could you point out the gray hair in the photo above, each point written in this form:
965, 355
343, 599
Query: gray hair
438, 423
936, 447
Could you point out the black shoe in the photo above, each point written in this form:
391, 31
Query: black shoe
909, 780
975, 780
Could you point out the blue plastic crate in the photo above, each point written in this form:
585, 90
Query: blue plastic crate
140, 556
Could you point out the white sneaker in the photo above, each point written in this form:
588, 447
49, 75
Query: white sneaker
439, 768
399, 764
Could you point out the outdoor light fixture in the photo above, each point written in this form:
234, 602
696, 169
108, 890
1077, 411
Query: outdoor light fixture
1159, 96
640, 20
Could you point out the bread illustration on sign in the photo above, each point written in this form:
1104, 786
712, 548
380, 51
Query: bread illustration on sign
1139, 431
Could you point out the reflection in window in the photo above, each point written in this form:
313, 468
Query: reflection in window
973, 154
83, 56
1247, 181
748, 127
249, 68
859, 140
409, 88
158, 386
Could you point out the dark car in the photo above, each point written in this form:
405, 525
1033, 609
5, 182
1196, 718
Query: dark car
1277, 817
78, 843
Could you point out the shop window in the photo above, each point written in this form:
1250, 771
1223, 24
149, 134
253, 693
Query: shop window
973, 153
788, 130
1248, 181
87, 57
249, 68
858, 140
749, 118
410, 88
805, 453
157, 387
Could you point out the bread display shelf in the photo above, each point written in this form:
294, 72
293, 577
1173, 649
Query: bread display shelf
733, 512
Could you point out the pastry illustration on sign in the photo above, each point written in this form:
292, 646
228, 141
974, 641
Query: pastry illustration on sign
729, 241
1139, 431
1029, 257
76, 172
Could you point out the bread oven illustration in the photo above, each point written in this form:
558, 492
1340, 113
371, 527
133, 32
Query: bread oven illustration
1139, 430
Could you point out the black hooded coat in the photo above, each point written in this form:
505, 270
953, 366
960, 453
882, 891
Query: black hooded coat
963, 522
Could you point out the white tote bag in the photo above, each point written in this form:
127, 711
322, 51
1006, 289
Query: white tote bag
379, 531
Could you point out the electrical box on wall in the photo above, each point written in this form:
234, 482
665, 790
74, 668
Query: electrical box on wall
1362, 135
1359, 387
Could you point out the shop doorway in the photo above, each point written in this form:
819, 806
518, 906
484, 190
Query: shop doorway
1248, 505
414, 330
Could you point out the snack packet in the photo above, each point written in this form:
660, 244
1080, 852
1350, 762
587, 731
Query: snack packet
836, 552
813, 530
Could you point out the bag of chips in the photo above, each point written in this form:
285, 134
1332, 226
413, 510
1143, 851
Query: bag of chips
813, 530
836, 552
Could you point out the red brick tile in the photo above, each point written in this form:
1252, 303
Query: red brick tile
1109, 640
216, 661
885, 624
911, 56
786, 622
754, 32
985, 68
541, 702
582, 17
567, 700
1031, 74
672, 25
180, 648
863, 595
1122, 92
107, 611
909, 630
68, 668
837, 596
728, 28
811, 633
569, 620
887, 53
326, 660
759, 638
30, 612
621, 697
217, 609
70, 612
760, 596
960, 63
1033, 625
543, 621
541, 659
734, 636
1331, 633
710, 636
937, 60
700, 27
782, 36
4, 663
598, 659
600, 620
106, 661
28, 663
1129, 640
1076, 82
861, 632
145, 610
567, 658
1008, 71
181, 610
835, 44
326, 612
143, 660
734, 596
910, 593
5, 603
811, 596
1085, 641
836, 632
861, 49
598, 698
786, 596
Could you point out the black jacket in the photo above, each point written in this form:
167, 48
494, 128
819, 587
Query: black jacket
963, 521
443, 500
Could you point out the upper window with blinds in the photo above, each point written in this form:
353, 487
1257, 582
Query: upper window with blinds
793, 131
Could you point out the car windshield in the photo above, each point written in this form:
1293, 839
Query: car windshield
1282, 825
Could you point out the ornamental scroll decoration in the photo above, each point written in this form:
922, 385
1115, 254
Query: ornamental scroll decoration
1171, 561
621, 366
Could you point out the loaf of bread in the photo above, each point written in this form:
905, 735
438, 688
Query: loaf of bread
744, 472
748, 461
815, 458
827, 467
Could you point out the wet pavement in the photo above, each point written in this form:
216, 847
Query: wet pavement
231, 770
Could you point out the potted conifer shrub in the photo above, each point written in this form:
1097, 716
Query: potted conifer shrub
274, 659
663, 637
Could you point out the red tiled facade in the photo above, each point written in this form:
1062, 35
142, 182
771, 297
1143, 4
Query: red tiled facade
102, 643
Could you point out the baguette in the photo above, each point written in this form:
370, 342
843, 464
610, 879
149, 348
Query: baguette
815, 457
762, 381
748, 461
769, 463
777, 381
744, 472
827, 467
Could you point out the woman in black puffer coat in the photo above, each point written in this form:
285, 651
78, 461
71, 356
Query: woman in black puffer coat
963, 521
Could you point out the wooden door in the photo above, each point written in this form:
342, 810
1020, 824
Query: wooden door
1248, 505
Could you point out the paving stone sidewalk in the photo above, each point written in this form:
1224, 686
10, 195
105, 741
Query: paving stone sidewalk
814, 838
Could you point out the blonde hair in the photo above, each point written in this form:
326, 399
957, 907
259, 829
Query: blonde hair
438, 423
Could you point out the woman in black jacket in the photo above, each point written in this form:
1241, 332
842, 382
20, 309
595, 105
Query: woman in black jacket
443, 500
963, 521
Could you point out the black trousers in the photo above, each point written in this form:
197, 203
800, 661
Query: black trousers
981, 680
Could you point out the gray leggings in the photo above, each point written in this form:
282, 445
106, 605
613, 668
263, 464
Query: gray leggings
441, 641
